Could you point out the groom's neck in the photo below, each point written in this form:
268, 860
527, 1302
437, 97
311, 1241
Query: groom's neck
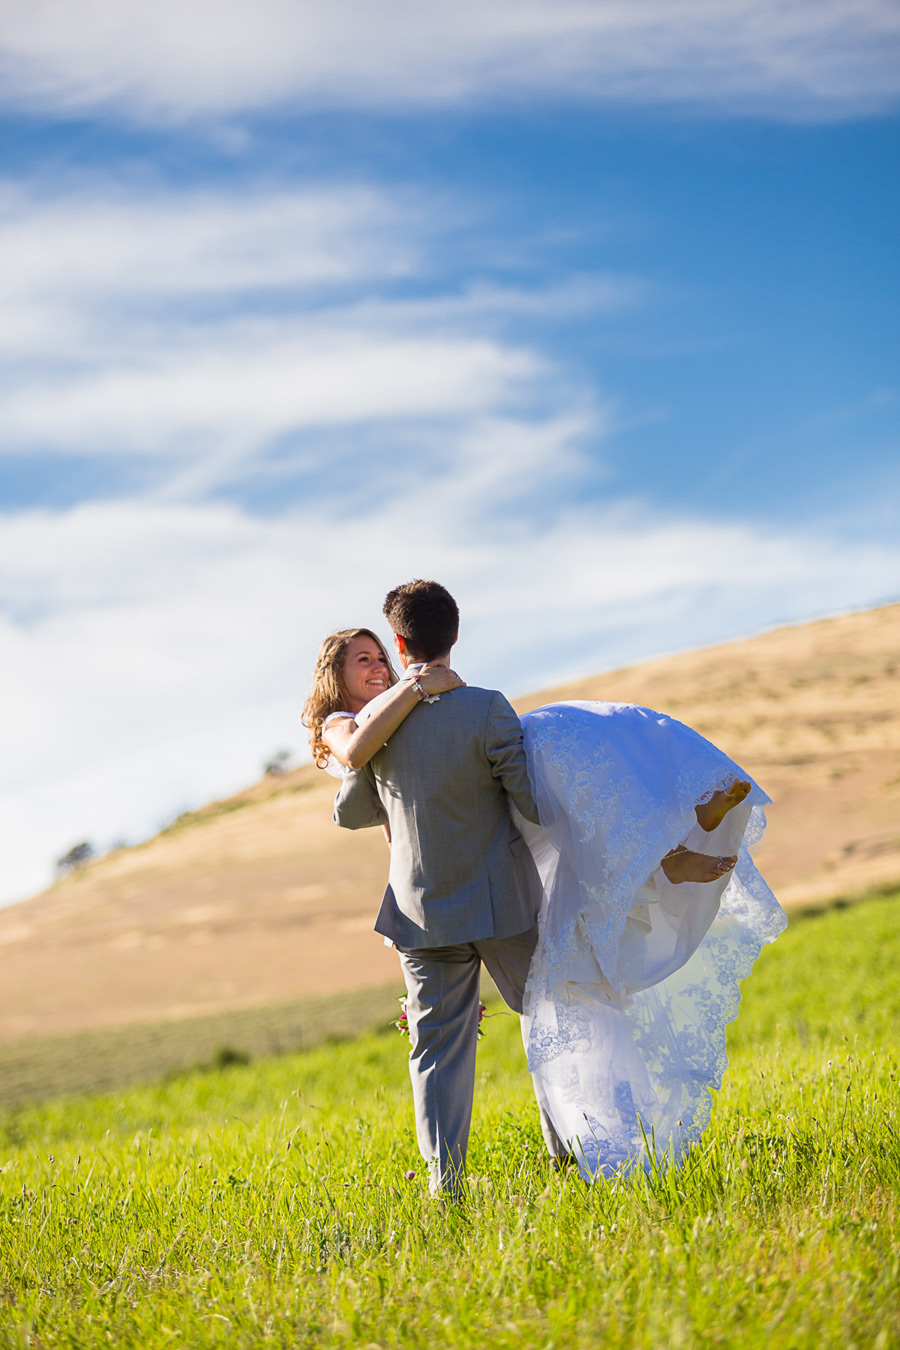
409, 659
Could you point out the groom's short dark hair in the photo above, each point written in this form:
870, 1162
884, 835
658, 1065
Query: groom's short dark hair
425, 615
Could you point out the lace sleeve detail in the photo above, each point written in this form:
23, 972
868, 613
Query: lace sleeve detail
332, 717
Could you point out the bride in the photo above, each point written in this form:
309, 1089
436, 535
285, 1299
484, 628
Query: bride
652, 909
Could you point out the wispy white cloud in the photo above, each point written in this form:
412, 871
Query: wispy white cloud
172, 59
253, 385
85, 257
203, 330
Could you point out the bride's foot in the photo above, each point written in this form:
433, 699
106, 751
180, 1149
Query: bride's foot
684, 865
711, 814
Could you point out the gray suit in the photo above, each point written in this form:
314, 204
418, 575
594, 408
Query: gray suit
462, 889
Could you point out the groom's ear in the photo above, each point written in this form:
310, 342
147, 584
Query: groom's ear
400, 644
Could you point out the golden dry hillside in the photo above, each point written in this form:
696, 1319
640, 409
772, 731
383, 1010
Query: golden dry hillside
260, 899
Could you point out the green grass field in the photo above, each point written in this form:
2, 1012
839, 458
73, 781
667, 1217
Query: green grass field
112, 1058
267, 1204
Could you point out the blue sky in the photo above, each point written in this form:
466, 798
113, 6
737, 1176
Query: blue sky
588, 309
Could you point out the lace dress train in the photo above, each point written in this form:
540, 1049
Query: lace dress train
634, 979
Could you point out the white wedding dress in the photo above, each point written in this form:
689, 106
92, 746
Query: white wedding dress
634, 979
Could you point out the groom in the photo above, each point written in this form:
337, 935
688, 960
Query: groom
463, 888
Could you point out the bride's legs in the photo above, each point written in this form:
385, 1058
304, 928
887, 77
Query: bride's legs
711, 814
682, 864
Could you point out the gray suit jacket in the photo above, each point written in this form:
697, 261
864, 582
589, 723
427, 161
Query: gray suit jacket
460, 871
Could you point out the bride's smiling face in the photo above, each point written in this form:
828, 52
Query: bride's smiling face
365, 672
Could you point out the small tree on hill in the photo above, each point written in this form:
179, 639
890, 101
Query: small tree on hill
77, 857
279, 763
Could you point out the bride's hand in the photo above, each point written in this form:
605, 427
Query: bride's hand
439, 679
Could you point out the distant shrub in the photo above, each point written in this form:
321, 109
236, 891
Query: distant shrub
228, 1055
279, 764
77, 857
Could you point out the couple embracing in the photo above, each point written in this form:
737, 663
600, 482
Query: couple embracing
584, 854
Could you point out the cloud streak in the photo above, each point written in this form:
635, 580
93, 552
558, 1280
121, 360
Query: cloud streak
257, 385
80, 259
214, 335
165, 60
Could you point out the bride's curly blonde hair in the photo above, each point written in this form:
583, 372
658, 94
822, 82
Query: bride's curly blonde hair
328, 693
